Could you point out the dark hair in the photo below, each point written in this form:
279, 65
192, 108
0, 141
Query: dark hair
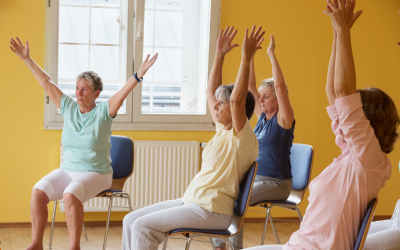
382, 114
225, 91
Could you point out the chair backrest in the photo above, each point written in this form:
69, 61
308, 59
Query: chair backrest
122, 160
242, 202
301, 160
362, 234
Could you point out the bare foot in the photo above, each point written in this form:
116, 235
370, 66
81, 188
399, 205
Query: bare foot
35, 247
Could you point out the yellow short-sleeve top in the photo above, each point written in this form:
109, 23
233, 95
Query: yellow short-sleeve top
225, 161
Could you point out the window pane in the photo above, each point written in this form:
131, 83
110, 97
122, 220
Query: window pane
74, 25
75, 2
169, 4
105, 26
107, 3
149, 4
169, 65
104, 61
148, 28
168, 29
72, 60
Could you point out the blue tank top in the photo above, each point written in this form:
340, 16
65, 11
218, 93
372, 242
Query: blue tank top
274, 143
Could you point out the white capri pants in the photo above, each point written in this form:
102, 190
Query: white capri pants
83, 186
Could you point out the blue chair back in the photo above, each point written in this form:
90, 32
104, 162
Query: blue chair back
244, 191
121, 156
301, 158
362, 234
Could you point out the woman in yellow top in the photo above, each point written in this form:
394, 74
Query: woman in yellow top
209, 200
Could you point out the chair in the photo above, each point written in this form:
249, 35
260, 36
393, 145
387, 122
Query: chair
301, 160
122, 164
239, 212
362, 234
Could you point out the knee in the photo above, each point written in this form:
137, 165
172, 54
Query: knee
131, 221
39, 196
74, 191
70, 200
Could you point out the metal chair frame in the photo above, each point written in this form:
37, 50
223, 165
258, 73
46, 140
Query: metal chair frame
365, 231
116, 192
236, 225
296, 196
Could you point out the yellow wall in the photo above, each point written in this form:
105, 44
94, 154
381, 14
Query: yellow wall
303, 36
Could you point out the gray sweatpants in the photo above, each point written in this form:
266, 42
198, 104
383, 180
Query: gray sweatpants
146, 228
380, 237
264, 188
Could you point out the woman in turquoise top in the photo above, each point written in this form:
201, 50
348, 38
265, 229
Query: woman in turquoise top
85, 170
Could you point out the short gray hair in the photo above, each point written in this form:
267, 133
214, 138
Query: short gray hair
269, 83
92, 78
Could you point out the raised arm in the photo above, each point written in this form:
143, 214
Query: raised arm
118, 98
238, 98
40, 75
215, 80
343, 19
253, 86
285, 113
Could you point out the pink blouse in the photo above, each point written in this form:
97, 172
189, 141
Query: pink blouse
339, 196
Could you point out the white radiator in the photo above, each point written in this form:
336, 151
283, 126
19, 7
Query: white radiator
162, 171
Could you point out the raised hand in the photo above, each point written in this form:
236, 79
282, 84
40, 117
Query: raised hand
252, 42
19, 49
342, 13
147, 64
225, 39
271, 48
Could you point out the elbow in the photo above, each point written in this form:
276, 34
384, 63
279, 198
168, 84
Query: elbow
344, 91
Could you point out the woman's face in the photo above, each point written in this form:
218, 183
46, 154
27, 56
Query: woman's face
85, 95
268, 101
223, 112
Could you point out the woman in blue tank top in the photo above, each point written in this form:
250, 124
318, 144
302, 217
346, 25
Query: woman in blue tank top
275, 133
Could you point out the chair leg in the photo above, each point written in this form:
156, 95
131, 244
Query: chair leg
189, 240
52, 224
298, 212
265, 226
211, 242
273, 228
108, 221
84, 232
165, 244
229, 243
129, 202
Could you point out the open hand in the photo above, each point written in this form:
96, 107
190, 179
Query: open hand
225, 39
19, 49
252, 42
146, 65
342, 13
271, 48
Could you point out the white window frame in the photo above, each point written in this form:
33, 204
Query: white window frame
133, 119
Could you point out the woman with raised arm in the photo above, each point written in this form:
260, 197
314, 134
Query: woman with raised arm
275, 133
209, 200
85, 170
365, 123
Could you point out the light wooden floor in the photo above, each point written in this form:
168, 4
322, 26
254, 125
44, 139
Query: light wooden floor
19, 238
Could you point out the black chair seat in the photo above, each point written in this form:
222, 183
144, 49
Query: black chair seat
111, 191
275, 202
204, 231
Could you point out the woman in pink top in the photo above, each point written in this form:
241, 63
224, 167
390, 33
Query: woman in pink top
365, 123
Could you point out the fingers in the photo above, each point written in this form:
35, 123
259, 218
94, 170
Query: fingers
332, 6
357, 15
13, 49
220, 33
259, 43
147, 58
272, 39
258, 31
226, 31
233, 35
27, 44
14, 44
19, 41
341, 3
153, 59
246, 33
259, 37
230, 32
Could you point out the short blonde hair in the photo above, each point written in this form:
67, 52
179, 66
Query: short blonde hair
269, 83
93, 79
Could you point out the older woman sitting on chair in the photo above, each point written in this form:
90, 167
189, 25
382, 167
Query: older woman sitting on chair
85, 170
209, 200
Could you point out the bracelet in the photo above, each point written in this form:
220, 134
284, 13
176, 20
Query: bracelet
137, 78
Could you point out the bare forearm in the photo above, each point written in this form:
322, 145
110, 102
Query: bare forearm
40, 75
279, 80
242, 82
345, 74
215, 79
330, 81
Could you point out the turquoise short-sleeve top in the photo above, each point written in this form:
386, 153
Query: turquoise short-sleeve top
86, 137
